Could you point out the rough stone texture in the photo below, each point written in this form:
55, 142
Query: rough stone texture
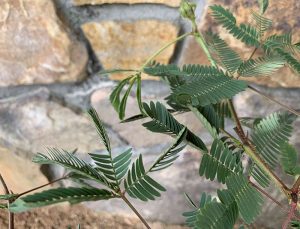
181, 177
35, 47
284, 14
173, 3
128, 45
32, 123
19, 174
64, 216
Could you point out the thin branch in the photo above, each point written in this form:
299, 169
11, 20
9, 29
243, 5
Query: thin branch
275, 101
267, 195
296, 185
44, 185
290, 216
135, 211
11, 221
237, 121
252, 54
4, 185
163, 48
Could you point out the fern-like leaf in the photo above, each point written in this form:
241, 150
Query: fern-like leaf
220, 163
282, 41
164, 122
248, 199
202, 91
191, 217
225, 56
289, 159
213, 214
263, 5
139, 185
71, 162
245, 33
100, 128
171, 154
262, 24
113, 169
268, 136
292, 61
223, 111
262, 66
116, 94
208, 126
58, 195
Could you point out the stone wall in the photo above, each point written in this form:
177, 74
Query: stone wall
50, 52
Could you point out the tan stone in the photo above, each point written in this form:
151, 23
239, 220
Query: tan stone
284, 15
173, 3
34, 45
128, 45
19, 174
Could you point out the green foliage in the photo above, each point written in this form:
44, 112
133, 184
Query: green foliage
211, 129
243, 32
100, 129
268, 136
262, 66
219, 163
164, 122
108, 170
289, 159
119, 100
262, 24
58, 195
263, 5
167, 158
139, 185
113, 169
224, 55
213, 214
205, 90
71, 162
248, 199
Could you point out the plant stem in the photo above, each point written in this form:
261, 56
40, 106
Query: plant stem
296, 185
199, 38
236, 119
163, 48
134, 210
264, 166
252, 54
275, 101
44, 185
4, 185
10, 214
267, 195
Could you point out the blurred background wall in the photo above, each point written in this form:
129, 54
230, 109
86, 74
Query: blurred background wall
50, 53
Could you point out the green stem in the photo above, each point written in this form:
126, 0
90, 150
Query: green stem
150, 59
201, 41
251, 153
135, 211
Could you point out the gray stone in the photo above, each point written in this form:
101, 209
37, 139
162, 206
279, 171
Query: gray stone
31, 122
